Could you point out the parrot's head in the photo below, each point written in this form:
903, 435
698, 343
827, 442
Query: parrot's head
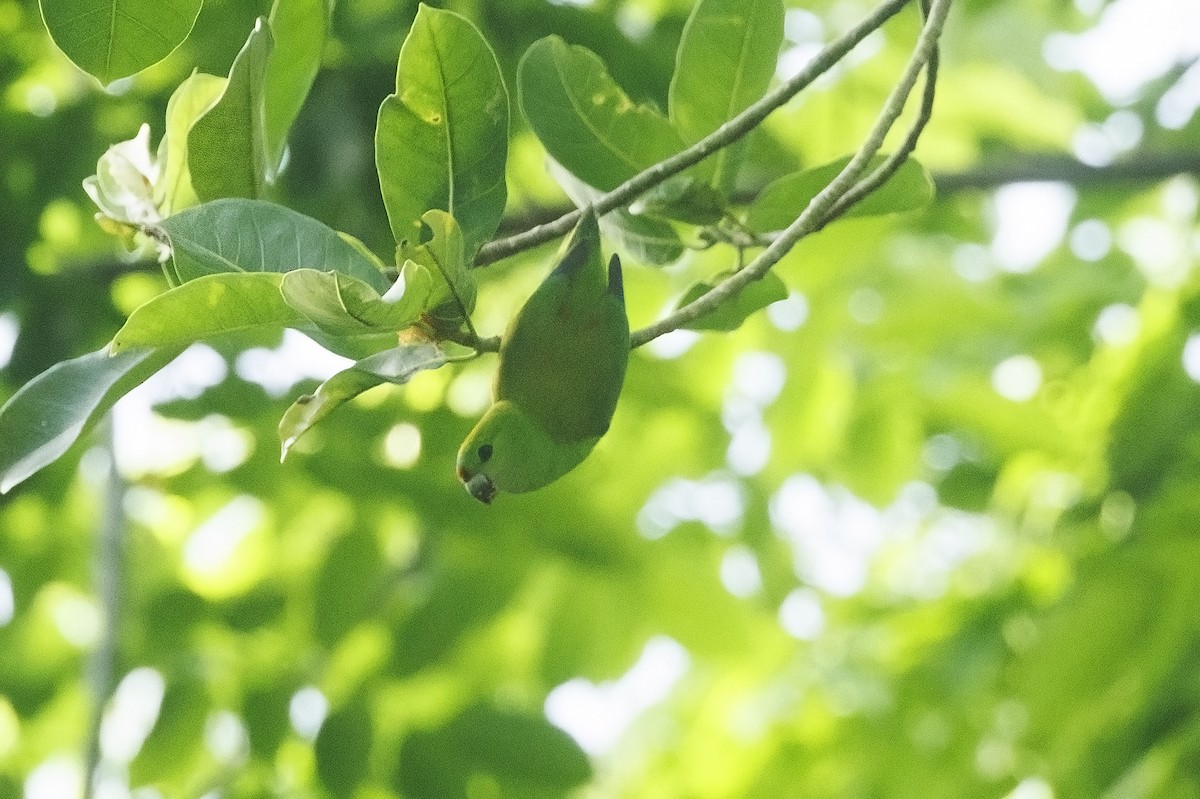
509, 451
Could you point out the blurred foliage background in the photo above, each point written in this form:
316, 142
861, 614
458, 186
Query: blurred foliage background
926, 528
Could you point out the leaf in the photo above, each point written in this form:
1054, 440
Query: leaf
48, 414
113, 39
682, 197
778, 205
730, 315
521, 747
442, 138
445, 256
191, 100
584, 119
207, 307
227, 147
237, 235
725, 63
299, 28
395, 366
648, 241
343, 748
524, 753
167, 750
345, 306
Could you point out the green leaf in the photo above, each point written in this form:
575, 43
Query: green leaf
645, 240
207, 307
227, 147
584, 119
784, 199
682, 197
166, 752
299, 28
522, 748
343, 748
725, 63
346, 306
442, 138
48, 414
524, 753
395, 366
113, 39
730, 315
254, 236
190, 101
445, 256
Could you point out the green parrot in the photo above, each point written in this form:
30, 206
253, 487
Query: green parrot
562, 363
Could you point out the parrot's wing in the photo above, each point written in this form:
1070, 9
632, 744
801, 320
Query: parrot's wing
563, 361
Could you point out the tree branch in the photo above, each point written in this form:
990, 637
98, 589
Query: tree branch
1140, 167
723, 136
819, 209
897, 159
108, 570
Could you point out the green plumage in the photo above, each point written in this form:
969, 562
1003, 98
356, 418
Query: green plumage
562, 363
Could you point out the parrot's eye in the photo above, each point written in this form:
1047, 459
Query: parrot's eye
484, 452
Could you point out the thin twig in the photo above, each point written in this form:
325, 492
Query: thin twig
816, 212
723, 136
897, 159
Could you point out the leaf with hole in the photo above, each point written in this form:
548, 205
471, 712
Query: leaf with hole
445, 256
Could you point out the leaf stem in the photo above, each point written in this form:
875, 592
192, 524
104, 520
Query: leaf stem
819, 209
723, 136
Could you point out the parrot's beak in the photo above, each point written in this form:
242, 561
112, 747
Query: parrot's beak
482, 488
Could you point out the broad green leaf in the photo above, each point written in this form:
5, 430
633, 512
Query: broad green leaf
345, 306
584, 119
49, 413
164, 754
641, 239
227, 147
442, 138
445, 256
783, 200
724, 64
682, 197
207, 307
523, 753
519, 747
343, 747
254, 236
730, 315
190, 101
395, 366
299, 28
113, 39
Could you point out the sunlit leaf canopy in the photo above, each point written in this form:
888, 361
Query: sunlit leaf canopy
926, 527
